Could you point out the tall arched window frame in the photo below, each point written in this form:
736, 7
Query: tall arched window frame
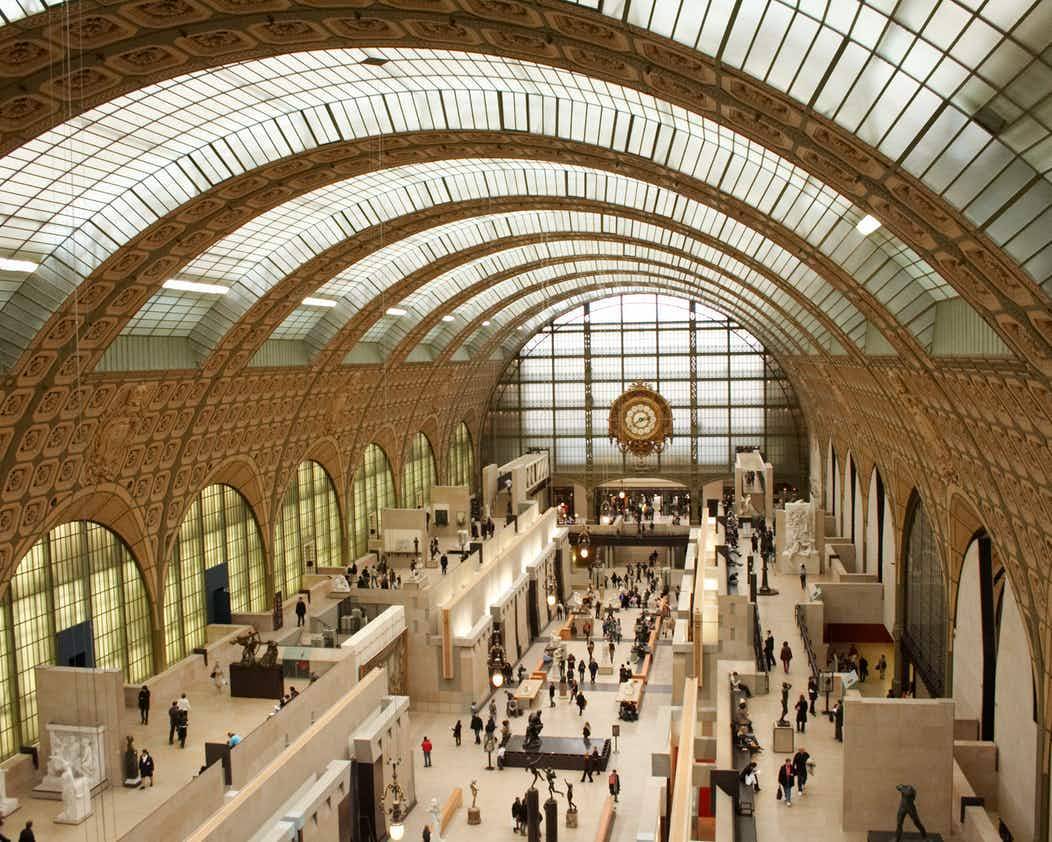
418, 473
373, 491
83, 579
219, 528
461, 458
308, 527
924, 634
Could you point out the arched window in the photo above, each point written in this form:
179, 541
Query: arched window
418, 473
76, 599
461, 458
308, 528
219, 546
373, 491
924, 634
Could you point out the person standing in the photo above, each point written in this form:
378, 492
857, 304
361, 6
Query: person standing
614, 782
803, 576
593, 668
427, 833
838, 721
587, 771
426, 748
27, 833
301, 612
786, 655
580, 670
456, 732
882, 666
812, 693
476, 726
801, 714
768, 650
786, 779
800, 760
173, 721
144, 705
586, 732
863, 668
551, 694
218, 678
444, 563
145, 768
581, 702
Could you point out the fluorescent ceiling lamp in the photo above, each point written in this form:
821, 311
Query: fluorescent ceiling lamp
447, 318
9, 264
395, 311
867, 225
319, 302
195, 286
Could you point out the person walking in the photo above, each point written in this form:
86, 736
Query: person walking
801, 714
183, 727
587, 771
580, 670
863, 668
516, 815
593, 669
427, 833
145, 768
800, 760
426, 748
786, 655
27, 833
586, 731
882, 666
491, 727
581, 703
444, 563
184, 705
218, 679
476, 726
173, 721
786, 779
614, 781
144, 705
301, 612
456, 732
803, 576
768, 650
551, 694
812, 693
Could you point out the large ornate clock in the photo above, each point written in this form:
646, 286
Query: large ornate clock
640, 421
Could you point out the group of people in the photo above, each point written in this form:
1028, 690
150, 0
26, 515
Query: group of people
378, 576
785, 655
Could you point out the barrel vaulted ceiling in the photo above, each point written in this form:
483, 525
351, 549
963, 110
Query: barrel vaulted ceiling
352, 149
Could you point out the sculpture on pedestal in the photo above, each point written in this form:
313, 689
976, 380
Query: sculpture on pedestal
907, 807
78, 747
340, 585
7, 805
799, 533
782, 720
131, 764
436, 821
570, 806
534, 726
549, 776
474, 814
76, 798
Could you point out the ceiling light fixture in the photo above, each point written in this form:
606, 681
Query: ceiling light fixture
319, 302
867, 225
10, 264
447, 318
395, 311
486, 323
195, 286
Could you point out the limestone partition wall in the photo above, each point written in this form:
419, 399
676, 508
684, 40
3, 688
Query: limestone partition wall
897, 741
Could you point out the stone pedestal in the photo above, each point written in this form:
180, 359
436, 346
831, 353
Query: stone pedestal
474, 815
782, 742
606, 669
551, 821
571, 818
7, 805
533, 815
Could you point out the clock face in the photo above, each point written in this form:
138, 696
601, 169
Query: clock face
640, 420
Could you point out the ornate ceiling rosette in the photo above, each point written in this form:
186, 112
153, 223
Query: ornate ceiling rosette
640, 421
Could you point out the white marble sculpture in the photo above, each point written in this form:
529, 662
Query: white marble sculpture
799, 533
436, 820
746, 508
76, 798
340, 585
7, 805
78, 748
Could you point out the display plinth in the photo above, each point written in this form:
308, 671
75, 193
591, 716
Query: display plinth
256, 682
889, 836
551, 820
571, 818
474, 815
783, 740
555, 753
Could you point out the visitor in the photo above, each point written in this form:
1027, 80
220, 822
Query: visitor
500, 757
27, 833
145, 768
232, 738
301, 612
581, 703
183, 728
838, 721
750, 775
493, 708
882, 666
476, 726
614, 782
144, 705
218, 678
456, 732
426, 748
786, 655
747, 741
800, 760
593, 669
803, 576
516, 815
491, 727
443, 563
786, 779
863, 668
586, 732
812, 693
551, 694
426, 835
588, 770
801, 714
580, 670
768, 650
184, 705
505, 733
173, 721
